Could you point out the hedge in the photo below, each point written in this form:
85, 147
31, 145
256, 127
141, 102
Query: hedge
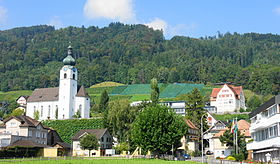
68, 128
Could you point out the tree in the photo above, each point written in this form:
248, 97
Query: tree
89, 142
77, 114
17, 112
120, 117
155, 91
104, 100
36, 114
195, 108
227, 138
157, 128
253, 103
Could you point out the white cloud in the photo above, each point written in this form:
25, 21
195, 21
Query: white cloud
158, 24
3, 15
277, 10
56, 22
119, 10
181, 29
171, 30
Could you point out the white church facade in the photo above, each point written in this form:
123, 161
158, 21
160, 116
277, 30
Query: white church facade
61, 102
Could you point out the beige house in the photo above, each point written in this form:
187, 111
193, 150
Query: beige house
190, 140
17, 128
105, 141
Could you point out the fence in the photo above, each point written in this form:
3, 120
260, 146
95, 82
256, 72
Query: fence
215, 161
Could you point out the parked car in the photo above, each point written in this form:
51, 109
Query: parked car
209, 152
187, 156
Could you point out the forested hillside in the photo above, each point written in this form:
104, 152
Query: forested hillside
30, 57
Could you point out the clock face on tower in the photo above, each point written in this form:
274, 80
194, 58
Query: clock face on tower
74, 69
65, 68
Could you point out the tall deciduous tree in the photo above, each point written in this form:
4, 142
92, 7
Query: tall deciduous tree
89, 142
155, 91
120, 117
157, 128
104, 100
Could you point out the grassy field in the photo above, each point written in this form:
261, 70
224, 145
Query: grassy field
99, 161
13, 95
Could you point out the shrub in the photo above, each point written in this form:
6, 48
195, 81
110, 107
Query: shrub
230, 158
196, 153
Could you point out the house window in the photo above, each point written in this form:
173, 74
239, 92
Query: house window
65, 75
13, 124
42, 108
102, 139
30, 133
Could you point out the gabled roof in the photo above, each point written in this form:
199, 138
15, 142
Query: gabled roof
97, 132
190, 124
27, 143
243, 127
63, 144
24, 120
44, 94
235, 89
26, 97
82, 92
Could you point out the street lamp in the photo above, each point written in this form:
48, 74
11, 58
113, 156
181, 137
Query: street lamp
202, 136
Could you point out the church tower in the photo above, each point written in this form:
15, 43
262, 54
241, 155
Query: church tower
67, 87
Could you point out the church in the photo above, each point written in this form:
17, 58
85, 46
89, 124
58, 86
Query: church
61, 102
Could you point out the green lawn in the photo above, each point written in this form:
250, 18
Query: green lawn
100, 161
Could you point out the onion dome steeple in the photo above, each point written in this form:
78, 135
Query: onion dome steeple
69, 60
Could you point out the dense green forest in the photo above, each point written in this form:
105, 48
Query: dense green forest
30, 57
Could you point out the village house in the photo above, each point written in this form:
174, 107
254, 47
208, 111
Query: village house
17, 128
190, 140
103, 136
227, 99
61, 102
212, 135
265, 130
22, 102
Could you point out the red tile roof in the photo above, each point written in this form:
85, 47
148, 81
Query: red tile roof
190, 124
235, 89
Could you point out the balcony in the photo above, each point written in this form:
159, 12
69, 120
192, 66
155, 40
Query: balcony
269, 143
264, 122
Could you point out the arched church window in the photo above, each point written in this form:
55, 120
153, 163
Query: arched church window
80, 107
74, 76
49, 111
42, 108
65, 76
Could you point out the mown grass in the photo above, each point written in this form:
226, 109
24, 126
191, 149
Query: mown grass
99, 161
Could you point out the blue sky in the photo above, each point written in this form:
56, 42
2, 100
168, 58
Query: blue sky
194, 18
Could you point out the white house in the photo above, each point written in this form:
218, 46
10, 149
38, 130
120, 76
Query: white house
103, 136
61, 102
227, 99
265, 130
